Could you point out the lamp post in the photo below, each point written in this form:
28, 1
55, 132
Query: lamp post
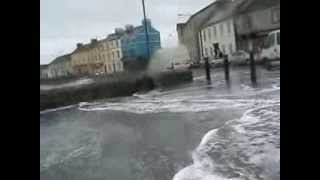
146, 29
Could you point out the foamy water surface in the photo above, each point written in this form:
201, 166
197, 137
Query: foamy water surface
245, 146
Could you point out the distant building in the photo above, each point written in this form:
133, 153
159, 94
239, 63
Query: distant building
98, 57
60, 67
85, 58
134, 43
188, 31
106, 56
44, 72
254, 20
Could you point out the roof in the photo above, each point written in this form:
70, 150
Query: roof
44, 66
230, 8
136, 30
226, 10
113, 36
203, 9
61, 59
251, 5
86, 47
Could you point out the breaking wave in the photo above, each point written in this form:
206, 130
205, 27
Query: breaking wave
57, 109
245, 148
157, 102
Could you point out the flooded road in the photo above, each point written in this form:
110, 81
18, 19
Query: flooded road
195, 131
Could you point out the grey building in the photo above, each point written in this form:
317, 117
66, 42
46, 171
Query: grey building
251, 21
44, 71
254, 20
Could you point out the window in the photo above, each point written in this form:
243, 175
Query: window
117, 44
266, 42
211, 51
230, 48
209, 34
223, 49
118, 54
229, 27
204, 36
221, 29
272, 39
215, 31
278, 38
206, 51
269, 41
275, 15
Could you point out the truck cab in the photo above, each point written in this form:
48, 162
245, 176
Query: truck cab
271, 48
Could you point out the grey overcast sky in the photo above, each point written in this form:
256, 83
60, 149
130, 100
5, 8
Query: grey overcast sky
63, 23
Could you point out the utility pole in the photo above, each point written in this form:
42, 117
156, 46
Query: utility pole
146, 30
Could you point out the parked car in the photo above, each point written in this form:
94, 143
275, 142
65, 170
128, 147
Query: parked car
195, 65
239, 58
271, 49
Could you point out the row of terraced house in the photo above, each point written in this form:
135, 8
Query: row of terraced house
105, 56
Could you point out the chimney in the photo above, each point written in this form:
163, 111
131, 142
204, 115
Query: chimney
119, 31
79, 45
94, 41
129, 28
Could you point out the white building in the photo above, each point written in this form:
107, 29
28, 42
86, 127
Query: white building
114, 53
222, 34
219, 30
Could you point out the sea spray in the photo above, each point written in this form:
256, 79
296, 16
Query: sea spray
163, 59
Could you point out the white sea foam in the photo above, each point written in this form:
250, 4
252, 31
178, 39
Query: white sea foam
183, 101
172, 105
65, 85
253, 139
57, 109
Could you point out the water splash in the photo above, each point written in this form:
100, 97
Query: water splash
163, 58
